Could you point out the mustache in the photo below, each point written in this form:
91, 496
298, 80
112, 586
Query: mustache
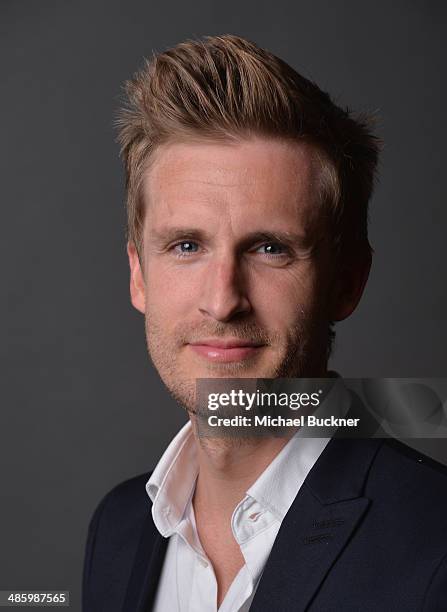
187, 333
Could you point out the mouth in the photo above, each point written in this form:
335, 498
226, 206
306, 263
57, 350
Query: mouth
221, 350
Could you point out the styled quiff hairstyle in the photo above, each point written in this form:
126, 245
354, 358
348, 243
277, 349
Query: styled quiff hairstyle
227, 88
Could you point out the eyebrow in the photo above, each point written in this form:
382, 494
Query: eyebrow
291, 239
172, 234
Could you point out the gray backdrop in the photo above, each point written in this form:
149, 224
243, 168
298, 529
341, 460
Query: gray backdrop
81, 408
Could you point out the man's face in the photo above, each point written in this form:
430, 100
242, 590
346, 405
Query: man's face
238, 276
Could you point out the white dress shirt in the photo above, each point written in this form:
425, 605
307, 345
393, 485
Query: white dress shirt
187, 582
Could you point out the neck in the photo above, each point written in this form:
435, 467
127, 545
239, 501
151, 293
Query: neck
227, 468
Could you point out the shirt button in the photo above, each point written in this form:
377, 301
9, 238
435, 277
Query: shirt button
202, 562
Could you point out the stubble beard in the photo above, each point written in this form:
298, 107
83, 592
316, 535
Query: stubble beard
301, 354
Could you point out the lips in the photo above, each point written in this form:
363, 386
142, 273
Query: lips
225, 350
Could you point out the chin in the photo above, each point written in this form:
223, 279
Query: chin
233, 369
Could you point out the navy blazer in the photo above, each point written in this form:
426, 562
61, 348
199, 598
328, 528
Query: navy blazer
366, 532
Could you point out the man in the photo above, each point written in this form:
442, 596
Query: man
247, 196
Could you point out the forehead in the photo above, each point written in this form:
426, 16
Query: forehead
260, 176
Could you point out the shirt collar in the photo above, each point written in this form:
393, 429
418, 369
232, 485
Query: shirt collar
172, 483
279, 483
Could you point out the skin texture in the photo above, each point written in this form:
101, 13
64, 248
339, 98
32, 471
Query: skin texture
236, 246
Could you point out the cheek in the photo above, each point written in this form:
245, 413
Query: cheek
283, 297
170, 293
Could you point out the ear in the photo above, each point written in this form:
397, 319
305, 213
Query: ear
350, 285
137, 284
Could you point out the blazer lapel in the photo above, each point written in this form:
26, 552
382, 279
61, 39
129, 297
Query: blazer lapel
146, 569
318, 525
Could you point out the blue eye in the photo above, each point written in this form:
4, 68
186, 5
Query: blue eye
186, 247
273, 248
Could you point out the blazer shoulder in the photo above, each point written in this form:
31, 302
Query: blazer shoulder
128, 497
411, 472
130, 490
410, 456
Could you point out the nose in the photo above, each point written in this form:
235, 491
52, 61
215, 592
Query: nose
224, 292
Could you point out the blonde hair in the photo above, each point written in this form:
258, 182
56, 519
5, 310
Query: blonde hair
226, 87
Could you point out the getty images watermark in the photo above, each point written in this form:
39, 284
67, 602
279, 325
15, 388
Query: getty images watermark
318, 407
260, 399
